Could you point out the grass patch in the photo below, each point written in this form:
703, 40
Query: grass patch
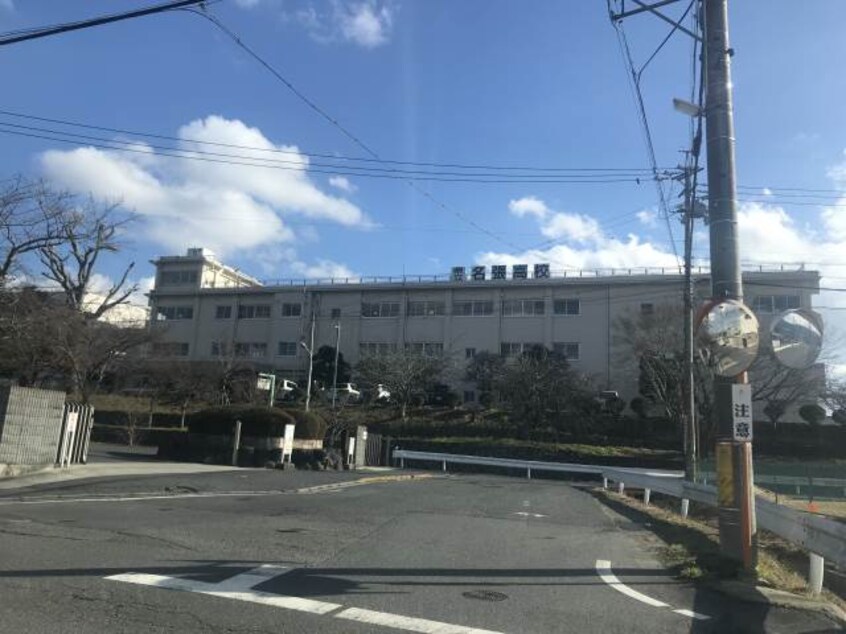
691, 547
546, 451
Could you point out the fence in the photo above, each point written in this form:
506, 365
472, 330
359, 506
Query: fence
75, 437
823, 538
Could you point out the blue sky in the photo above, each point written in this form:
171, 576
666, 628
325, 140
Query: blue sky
473, 82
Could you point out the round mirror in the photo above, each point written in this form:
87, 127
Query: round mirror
797, 337
728, 338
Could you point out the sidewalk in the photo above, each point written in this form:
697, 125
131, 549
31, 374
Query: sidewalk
110, 460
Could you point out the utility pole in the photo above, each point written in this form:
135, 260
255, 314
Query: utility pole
738, 539
690, 427
310, 350
337, 353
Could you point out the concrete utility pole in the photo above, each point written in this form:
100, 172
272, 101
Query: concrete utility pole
310, 350
738, 538
335, 374
690, 427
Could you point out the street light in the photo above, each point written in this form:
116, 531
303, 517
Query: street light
310, 350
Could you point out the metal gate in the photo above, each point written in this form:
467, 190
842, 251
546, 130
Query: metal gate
373, 451
76, 434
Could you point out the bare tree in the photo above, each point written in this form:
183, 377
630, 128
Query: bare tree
406, 374
71, 262
32, 217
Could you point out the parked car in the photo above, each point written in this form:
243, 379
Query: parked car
346, 391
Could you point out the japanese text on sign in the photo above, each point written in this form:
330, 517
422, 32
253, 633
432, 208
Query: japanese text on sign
741, 411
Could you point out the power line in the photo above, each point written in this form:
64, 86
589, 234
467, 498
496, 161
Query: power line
15, 37
338, 157
311, 104
190, 155
634, 84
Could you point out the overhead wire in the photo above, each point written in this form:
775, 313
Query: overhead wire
332, 156
335, 123
634, 85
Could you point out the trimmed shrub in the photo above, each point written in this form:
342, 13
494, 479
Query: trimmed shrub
255, 421
310, 426
812, 414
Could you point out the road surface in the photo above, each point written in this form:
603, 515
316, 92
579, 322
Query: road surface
259, 551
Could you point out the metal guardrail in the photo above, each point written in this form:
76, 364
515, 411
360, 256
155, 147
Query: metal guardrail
822, 537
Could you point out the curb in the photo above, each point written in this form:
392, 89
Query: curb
11, 471
779, 598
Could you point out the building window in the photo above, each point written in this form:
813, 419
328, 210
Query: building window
251, 350
647, 308
569, 350
373, 349
567, 307
170, 313
775, 303
287, 349
469, 353
520, 307
253, 311
219, 349
223, 312
380, 309
513, 349
170, 349
474, 308
336, 313
427, 349
176, 278
292, 310
427, 308
469, 396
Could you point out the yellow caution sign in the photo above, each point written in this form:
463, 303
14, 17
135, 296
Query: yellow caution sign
725, 475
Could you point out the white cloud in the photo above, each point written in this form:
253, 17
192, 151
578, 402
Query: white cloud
767, 191
647, 217
528, 205
323, 269
367, 23
343, 183
229, 208
574, 227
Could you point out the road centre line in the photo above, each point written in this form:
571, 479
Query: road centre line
603, 569
240, 587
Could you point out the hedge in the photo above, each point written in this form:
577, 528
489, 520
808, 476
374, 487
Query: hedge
310, 426
255, 421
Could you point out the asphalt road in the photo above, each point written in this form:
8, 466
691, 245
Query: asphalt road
260, 551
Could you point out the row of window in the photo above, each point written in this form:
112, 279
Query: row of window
258, 349
177, 278
510, 308
775, 303
570, 350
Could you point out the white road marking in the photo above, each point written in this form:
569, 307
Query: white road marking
603, 569
409, 623
252, 578
213, 590
693, 615
240, 587
525, 514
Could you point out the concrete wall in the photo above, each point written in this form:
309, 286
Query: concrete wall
30, 425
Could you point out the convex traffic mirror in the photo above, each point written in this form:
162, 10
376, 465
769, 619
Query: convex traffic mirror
728, 338
797, 337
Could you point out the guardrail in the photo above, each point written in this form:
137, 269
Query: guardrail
823, 538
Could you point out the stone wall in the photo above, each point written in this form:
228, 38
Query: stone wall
30, 425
